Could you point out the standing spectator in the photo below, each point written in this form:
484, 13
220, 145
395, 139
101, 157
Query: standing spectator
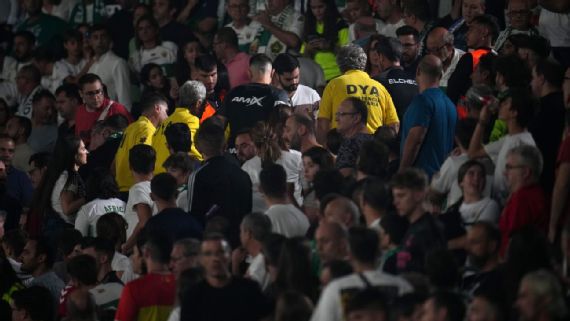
214, 298
559, 211
18, 184
519, 13
390, 12
114, 71
440, 44
74, 65
481, 34
417, 16
184, 256
206, 71
331, 239
154, 81
34, 302
409, 190
96, 105
355, 83
459, 26
288, 74
375, 201
151, 296
247, 30
324, 32
351, 124
527, 204
226, 48
266, 99
444, 306
429, 122
410, 40
44, 122
364, 253
282, 28
219, 188
286, 219
101, 197
153, 109
180, 165
67, 101
149, 48
188, 51
548, 124
37, 259
191, 97
245, 147
19, 129
401, 85
45, 27
516, 109
299, 133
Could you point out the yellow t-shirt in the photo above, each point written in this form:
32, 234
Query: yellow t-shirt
327, 59
357, 83
180, 115
139, 132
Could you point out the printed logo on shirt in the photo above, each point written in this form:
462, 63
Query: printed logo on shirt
365, 90
402, 81
249, 101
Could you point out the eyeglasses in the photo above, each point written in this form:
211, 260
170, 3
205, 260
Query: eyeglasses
94, 92
434, 50
339, 113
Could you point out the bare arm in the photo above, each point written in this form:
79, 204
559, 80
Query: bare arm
68, 204
144, 213
412, 146
559, 198
476, 149
395, 126
323, 127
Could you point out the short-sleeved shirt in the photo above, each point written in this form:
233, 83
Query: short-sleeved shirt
432, 110
349, 149
90, 213
148, 298
45, 28
180, 115
306, 99
287, 220
247, 104
139, 132
64, 183
498, 151
138, 194
85, 120
238, 69
173, 223
358, 84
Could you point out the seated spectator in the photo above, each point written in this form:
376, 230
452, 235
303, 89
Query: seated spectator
154, 81
391, 233
170, 222
24, 46
96, 105
444, 306
29, 83
37, 259
485, 307
423, 234
527, 204
45, 26
286, 219
68, 246
459, 26
516, 109
410, 40
33, 304
19, 129
364, 252
440, 43
44, 122
533, 49
351, 120
108, 289
101, 197
13, 243
17, 184
520, 22
165, 13
188, 50
82, 271
69, 69
483, 271
214, 297
151, 295
246, 29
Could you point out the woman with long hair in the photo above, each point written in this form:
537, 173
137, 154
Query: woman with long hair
61, 191
266, 141
187, 54
154, 81
324, 31
315, 159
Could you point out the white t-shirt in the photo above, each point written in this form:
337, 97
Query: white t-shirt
389, 29
447, 73
485, 209
248, 33
555, 27
89, 214
306, 99
121, 263
292, 163
163, 54
445, 181
257, 272
331, 307
498, 151
138, 194
287, 220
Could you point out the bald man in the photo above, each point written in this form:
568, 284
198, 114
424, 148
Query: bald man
332, 241
440, 44
342, 210
429, 122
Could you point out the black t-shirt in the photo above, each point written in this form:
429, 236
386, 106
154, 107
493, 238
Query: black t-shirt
349, 149
176, 32
247, 104
422, 236
402, 87
240, 300
173, 223
102, 157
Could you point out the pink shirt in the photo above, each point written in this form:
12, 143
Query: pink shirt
238, 69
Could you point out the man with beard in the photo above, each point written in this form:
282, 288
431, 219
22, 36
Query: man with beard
287, 75
483, 243
245, 148
299, 133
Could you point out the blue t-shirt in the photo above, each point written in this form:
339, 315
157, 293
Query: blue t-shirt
433, 110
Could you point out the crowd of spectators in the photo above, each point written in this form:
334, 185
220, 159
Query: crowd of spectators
287, 160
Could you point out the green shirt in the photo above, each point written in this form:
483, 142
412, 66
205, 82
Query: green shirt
45, 28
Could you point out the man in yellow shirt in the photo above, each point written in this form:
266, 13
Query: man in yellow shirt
355, 82
153, 113
190, 97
